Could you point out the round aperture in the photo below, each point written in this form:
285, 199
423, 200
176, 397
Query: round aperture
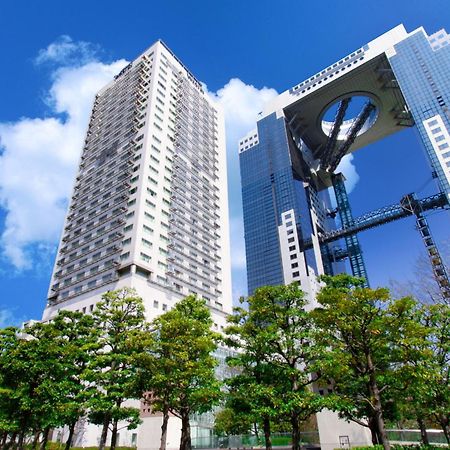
346, 112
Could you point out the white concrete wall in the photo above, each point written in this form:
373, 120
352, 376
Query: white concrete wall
331, 428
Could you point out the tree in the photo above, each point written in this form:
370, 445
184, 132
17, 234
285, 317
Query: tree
182, 364
228, 422
114, 372
428, 396
78, 339
252, 394
370, 341
276, 341
32, 375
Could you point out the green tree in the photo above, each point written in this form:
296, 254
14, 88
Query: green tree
32, 375
276, 341
182, 364
10, 412
78, 340
228, 422
114, 372
252, 392
370, 341
427, 395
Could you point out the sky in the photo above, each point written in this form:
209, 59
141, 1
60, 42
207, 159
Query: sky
56, 55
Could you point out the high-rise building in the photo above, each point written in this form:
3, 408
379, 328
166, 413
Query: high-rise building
149, 208
291, 160
289, 163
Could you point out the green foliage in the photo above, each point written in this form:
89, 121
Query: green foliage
113, 372
375, 348
229, 423
277, 356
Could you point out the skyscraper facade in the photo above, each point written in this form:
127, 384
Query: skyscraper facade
149, 208
290, 162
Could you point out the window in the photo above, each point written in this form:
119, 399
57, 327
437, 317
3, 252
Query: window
146, 243
145, 257
155, 304
291, 239
293, 256
147, 229
432, 123
435, 130
292, 248
439, 138
443, 146
294, 265
296, 274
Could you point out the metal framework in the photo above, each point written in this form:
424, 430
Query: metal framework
351, 240
383, 215
332, 138
411, 204
332, 157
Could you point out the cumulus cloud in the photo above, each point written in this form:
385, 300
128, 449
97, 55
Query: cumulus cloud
39, 156
347, 167
65, 51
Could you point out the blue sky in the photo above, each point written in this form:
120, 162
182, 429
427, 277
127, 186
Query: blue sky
55, 54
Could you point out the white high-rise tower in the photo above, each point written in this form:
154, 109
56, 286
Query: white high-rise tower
149, 208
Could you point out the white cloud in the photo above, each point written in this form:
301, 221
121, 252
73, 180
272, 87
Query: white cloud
39, 157
349, 170
65, 51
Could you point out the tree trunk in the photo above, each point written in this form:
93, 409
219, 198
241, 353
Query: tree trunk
114, 435
101, 445
423, 431
295, 431
165, 422
374, 431
378, 408
35, 443
70, 438
21, 440
255, 427
4, 439
12, 441
444, 422
267, 433
185, 443
45, 438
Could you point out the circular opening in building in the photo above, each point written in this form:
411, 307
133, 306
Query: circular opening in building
354, 112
